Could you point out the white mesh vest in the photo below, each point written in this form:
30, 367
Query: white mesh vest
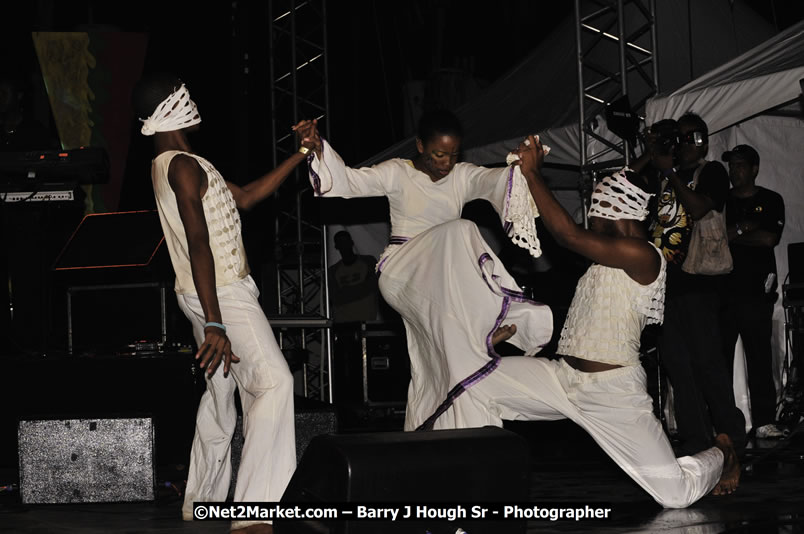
223, 224
608, 313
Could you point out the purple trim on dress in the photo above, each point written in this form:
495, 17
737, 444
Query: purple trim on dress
489, 367
513, 294
509, 189
394, 240
316, 178
380, 265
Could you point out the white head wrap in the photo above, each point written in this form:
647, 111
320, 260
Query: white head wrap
175, 112
615, 197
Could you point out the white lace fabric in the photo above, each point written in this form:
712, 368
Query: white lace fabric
223, 220
615, 197
520, 212
608, 313
521, 209
175, 112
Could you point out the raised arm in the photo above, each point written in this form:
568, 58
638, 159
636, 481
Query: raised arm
330, 176
188, 181
247, 196
632, 254
695, 203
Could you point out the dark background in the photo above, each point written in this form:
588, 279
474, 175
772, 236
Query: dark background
375, 48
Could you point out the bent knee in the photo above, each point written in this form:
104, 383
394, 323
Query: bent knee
274, 379
675, 501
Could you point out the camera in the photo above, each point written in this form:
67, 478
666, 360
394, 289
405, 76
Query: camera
695, 138
664, 135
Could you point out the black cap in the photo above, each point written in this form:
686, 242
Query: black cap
742, 151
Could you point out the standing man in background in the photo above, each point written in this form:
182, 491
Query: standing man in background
754, 220
353, 291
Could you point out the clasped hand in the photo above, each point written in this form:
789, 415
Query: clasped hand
531, 155
307, 134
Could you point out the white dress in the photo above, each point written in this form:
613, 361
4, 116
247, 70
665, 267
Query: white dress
440, 275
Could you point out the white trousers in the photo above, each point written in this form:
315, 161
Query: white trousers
268, 458
613, 407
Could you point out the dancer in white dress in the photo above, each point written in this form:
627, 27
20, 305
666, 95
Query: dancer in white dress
451, 290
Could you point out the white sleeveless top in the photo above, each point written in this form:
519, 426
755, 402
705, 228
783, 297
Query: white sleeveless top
223, 224
607, 315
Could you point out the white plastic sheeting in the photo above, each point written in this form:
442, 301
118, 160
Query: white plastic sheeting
740, 102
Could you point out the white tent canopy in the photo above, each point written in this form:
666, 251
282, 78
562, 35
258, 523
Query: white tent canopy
540, 95
763, 78
755, 99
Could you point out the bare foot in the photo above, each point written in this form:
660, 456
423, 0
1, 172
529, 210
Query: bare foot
503, 333
730, 477
260, 528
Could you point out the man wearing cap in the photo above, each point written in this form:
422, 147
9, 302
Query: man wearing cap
754, 220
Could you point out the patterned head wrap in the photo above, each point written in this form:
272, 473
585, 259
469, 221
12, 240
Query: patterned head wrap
615, 197
175, 112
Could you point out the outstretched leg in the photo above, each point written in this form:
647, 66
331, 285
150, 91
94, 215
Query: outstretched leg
614, 407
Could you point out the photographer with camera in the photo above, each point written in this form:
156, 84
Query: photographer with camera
692, 194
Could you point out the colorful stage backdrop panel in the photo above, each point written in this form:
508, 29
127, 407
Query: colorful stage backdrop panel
89, 77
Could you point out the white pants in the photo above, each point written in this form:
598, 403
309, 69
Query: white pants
268, 458
613, 407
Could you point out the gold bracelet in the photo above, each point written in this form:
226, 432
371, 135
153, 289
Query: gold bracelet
304, 150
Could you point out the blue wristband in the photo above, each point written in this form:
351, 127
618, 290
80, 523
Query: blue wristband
217, 325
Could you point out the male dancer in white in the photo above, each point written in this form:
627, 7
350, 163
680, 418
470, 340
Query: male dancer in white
599, 382
198, 210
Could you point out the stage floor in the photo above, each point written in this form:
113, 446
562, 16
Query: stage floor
567, 469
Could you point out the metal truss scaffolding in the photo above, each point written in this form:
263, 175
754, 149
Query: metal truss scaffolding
616, 46
299, 89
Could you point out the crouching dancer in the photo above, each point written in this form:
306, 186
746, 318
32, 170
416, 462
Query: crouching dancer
599, 382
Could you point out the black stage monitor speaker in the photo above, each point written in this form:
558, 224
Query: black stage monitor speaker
466, 466
86, 460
